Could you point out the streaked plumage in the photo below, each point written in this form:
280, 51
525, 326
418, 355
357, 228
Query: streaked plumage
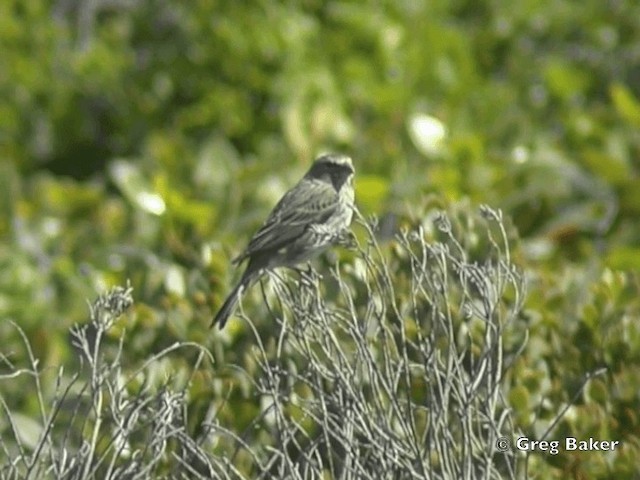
308, 219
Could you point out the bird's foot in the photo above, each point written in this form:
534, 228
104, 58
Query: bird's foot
346, 239
309, 275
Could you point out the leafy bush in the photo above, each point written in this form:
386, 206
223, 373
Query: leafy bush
146, 140
399, 372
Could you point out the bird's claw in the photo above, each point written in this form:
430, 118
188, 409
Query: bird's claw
308, 276
347, 239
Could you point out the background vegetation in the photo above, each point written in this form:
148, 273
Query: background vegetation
146, 140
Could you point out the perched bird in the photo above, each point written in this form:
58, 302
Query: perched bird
309, 218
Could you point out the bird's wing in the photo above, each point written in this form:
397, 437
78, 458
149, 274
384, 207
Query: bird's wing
310, 202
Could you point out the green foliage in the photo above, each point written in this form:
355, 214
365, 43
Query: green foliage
147, 140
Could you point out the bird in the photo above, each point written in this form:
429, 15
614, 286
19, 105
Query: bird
309, 218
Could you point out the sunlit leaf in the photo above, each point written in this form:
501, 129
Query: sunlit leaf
135, 187
627, 105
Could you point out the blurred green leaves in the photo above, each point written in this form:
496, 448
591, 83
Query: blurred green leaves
134, 187
627, 105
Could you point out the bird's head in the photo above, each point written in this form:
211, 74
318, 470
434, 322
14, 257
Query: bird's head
335, 168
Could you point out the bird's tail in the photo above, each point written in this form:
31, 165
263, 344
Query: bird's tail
230, 303
227, 308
